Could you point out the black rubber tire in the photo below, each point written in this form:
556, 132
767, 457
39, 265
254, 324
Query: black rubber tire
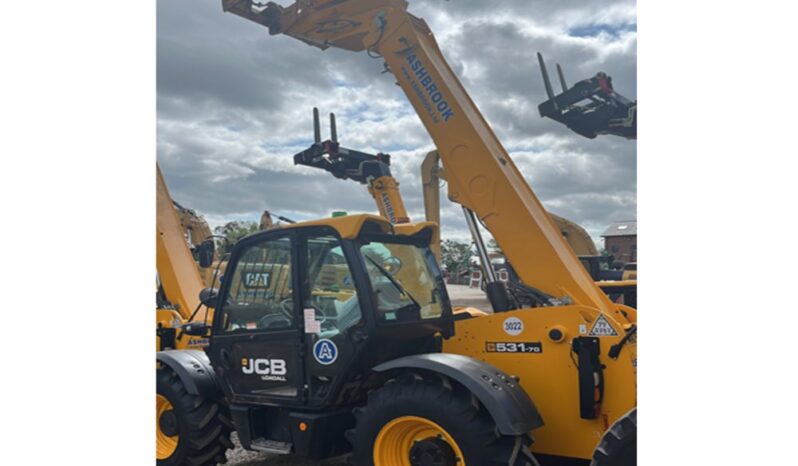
449, 405
618, 446
203, 425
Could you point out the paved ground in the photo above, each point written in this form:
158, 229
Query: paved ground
241, 457
460, 295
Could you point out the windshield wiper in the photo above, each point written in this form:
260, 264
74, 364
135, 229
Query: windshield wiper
393, 280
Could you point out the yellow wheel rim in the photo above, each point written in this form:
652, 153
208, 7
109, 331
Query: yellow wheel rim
165, 445
396, 440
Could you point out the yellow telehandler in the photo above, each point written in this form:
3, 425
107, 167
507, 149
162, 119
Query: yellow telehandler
572, 347
344, 325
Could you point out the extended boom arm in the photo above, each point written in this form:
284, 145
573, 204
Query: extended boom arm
481, 175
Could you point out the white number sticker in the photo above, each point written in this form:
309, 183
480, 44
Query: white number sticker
513, 326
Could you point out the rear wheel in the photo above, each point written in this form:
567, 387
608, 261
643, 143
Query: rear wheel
618, 447
190, 430
424, 420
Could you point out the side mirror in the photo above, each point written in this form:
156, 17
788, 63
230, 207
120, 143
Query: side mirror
392, 265
196, 329
208, 296
206, 252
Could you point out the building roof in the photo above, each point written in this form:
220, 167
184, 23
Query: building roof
621, 229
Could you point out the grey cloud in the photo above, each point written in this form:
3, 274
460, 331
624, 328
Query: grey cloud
234, 105
561, 13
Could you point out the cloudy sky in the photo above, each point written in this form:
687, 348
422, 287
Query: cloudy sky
234, 105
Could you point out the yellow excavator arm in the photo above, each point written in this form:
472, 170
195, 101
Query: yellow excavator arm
177, 272
194, 226
481, 175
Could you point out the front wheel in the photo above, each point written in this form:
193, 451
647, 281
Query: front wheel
189, 429
423, 420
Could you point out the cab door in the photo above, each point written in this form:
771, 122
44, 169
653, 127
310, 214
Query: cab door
257, 346
333, 296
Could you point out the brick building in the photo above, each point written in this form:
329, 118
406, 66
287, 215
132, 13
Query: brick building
620, 240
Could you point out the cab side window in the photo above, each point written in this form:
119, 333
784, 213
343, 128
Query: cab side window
261, 292
332, 292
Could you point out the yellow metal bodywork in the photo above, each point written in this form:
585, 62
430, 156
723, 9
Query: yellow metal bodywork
177, 270
178, 273
349, 226
576, 236
196, 230
385, 191
550, 377
482, 177
396, 438
194, 226
431, 176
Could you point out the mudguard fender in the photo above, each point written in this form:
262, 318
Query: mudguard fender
194, 369
503, 398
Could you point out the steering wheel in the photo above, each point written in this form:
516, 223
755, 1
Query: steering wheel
287, 308
269, 320
321, 317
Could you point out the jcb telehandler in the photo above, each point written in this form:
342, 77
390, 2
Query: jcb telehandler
326, 337
573, 348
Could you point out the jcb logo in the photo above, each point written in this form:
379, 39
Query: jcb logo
263, 366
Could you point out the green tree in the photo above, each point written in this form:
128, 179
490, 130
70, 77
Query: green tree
493, 247
455, 254
234, 231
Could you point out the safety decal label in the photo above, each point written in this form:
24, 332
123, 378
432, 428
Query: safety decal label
386, 202
427, 91
602, 328
534, 347
311, 324
325, 352
513, 326
198, 342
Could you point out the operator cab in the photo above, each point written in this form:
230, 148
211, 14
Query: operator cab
307, 310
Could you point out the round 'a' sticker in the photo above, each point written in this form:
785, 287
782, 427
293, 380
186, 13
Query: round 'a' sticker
513, 326
325, 352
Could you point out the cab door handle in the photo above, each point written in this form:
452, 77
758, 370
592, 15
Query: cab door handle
224, 355
359, 335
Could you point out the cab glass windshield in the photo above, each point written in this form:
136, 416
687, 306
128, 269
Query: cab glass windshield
405, 280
